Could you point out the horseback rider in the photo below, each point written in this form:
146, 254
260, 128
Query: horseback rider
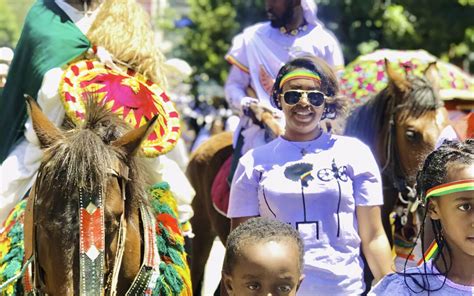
55, 34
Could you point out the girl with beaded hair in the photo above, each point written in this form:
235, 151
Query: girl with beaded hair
326, 186
446, 185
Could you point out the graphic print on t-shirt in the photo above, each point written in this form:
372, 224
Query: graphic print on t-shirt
302, 172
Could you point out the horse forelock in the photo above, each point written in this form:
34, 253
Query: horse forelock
84, 158
422, 98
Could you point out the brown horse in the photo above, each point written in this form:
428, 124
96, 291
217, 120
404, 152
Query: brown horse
401, 125
202, 169
95, 159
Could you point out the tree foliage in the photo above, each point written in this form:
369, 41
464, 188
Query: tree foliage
206, 41
442, 27
12, 16
9, 29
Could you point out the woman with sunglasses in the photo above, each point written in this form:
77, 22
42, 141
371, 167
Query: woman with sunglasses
326, 186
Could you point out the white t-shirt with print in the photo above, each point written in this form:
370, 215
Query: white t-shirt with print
317, 193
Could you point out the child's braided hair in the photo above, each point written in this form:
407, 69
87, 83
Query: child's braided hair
449, 156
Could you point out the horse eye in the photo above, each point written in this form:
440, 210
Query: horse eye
412, 135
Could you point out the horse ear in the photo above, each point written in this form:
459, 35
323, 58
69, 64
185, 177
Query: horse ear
396, 82
46, 131
132, 140
432, 74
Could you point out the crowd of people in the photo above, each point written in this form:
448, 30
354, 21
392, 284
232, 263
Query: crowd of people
304, 206
332, 198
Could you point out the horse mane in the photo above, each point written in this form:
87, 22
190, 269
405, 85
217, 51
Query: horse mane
84, 157
367, 121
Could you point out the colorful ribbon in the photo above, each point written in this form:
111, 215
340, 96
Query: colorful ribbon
430, 253
451, 187
297, 74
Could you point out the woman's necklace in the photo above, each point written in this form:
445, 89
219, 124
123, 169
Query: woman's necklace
303, 150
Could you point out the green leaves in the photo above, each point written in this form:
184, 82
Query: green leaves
442, 27
9, 29
205, 43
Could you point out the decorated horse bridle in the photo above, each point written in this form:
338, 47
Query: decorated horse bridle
92, 246
393, 170
92, 240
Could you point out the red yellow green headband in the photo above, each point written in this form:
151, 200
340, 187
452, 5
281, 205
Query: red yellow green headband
443, 189
305, 74
451, 187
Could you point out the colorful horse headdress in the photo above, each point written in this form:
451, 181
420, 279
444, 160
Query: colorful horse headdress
129, 94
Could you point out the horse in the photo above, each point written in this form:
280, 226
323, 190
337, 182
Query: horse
89, 227
401, 125
203, 167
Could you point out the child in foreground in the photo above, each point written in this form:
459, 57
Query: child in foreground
446, 184
263, 257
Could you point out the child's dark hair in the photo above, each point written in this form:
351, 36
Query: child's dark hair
435, 169
434, 173
257, 230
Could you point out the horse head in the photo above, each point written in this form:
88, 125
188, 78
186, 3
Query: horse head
86, 204
401, 125
416, 118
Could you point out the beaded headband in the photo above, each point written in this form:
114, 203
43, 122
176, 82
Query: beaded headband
299, 74
451, 187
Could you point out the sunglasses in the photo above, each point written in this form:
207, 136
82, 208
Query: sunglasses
315, 97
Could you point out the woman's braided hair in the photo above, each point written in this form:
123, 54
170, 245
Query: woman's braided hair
450, 155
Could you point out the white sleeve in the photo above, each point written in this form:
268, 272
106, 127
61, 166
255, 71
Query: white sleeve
448, 133
243, 200
333, 52
235, 87
49, 101
18, 171
179, 186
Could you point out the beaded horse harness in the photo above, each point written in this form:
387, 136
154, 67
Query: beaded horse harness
92, 247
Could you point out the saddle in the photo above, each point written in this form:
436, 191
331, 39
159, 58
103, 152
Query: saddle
465, 127
220, 190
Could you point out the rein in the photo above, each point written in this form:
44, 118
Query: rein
393, 170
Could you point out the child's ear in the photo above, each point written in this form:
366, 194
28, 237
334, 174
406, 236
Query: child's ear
433, 210
300, 281
227, 280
